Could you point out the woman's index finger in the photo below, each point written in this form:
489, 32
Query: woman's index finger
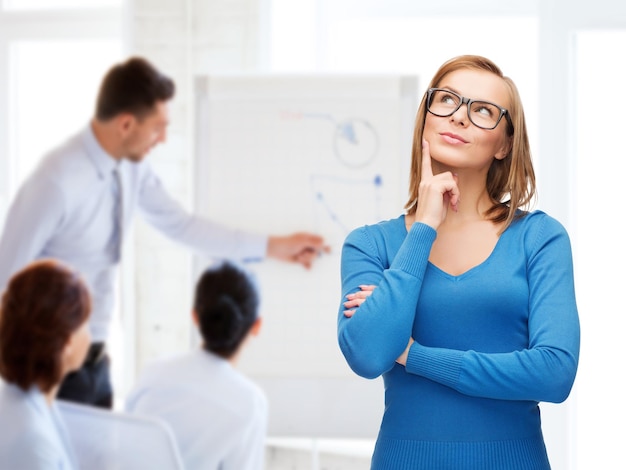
427, 169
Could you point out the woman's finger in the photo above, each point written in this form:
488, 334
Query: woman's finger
427, 168
357, 298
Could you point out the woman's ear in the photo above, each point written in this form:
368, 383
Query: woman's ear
256, 327
194, 317
505, 150
69, 346
67, 355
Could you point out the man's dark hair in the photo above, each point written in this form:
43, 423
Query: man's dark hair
134, 86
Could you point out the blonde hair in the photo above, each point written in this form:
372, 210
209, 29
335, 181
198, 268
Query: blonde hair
511, 181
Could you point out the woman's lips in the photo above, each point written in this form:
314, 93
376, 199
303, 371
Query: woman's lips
453, 138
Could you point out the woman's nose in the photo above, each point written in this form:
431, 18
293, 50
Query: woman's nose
460, 115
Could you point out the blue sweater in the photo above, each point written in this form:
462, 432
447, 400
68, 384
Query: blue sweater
490, 344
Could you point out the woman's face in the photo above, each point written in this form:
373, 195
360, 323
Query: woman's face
457, 143
76, 348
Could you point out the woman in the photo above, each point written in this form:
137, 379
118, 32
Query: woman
473, 320
43, 336
219, 416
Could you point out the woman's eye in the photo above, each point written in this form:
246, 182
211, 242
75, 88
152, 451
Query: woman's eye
485, 110
449, 99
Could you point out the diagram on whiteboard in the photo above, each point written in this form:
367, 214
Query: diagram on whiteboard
350, 190
339, 215
355, 141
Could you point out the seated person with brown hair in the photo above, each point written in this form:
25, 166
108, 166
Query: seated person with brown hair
43, 336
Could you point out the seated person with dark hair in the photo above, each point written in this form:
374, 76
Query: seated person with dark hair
44, 335
218, 415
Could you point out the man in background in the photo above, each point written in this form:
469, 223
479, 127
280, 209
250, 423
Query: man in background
80, 201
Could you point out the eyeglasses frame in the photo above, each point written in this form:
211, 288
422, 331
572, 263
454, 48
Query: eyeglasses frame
468, 101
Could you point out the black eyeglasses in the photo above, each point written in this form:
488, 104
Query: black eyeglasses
483, 114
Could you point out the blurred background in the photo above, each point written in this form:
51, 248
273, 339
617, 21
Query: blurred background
565, 56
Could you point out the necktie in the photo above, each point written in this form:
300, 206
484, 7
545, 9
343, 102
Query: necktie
118, 215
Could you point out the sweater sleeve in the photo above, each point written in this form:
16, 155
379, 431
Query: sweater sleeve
373, 338
546, 369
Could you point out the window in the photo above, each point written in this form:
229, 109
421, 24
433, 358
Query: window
52, 89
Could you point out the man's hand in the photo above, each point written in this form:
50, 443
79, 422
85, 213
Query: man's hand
302, 248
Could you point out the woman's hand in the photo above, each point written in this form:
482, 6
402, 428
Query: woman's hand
355, 300
402, 358
436, 192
